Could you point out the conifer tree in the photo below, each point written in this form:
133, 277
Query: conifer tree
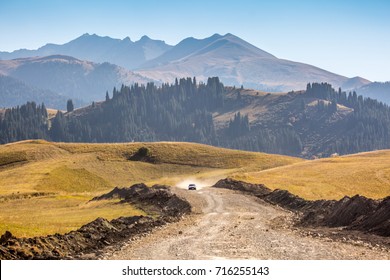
69, 105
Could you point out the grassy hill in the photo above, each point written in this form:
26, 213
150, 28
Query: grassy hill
45, 187
365, 174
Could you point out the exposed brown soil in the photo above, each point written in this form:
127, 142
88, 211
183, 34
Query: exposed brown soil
157, 199
232, 220
229, 224
352, 213
88, 241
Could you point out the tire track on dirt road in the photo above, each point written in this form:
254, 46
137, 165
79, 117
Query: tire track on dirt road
231, 225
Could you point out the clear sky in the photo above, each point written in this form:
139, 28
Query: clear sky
350, 38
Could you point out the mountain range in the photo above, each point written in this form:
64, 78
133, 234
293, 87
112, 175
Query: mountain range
236, 62
89, 65
68, 76
99, 49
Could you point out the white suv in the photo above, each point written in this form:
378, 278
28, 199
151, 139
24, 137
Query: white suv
192, 187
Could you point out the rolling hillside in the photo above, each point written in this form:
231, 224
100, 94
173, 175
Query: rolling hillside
366, 174
376, 90
61, 178
68, 76
14, 92
314, 123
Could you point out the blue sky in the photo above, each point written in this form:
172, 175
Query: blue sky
351, 38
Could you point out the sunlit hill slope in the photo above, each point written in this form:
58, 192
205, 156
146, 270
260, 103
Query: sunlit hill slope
45, 187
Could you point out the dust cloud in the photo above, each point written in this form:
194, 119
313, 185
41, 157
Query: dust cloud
200, 183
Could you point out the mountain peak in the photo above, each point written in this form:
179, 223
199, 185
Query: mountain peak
233, 59
231, 46
144, 38
127, 39
354, 83
216, 35
89, 35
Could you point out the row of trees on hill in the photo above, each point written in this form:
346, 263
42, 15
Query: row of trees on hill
367, 128
183, 111
280, 140
238, 126
28, 121
178, 112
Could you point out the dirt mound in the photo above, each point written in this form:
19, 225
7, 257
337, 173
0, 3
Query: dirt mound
377, 221
258, 190
287, 199
86, 242
156, 198
357, 212
279, 197
349, 210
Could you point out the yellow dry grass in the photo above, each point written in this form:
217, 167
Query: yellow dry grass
66, 171
71, 180
365, 174
51, 113
70, 174
57, 214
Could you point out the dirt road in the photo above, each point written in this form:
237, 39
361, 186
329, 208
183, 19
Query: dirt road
230, 225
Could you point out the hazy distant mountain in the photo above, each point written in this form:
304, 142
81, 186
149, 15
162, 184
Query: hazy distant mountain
94, 48
190, 46
14, 92
69, 76
354, 83
376, 90
236, 62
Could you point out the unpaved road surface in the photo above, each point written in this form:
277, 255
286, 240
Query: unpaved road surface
231, 225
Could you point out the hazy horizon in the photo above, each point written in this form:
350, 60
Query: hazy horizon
347, 38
